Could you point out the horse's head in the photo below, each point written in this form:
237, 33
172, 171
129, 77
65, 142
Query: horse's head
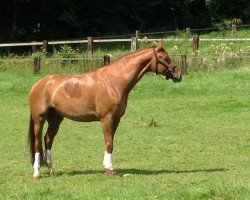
163, 64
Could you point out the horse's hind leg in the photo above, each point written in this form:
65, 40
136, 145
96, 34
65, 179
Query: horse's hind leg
38, 157
54, 120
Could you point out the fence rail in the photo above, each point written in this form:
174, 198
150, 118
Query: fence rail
123, 40
130, 38
134, 40
186, 61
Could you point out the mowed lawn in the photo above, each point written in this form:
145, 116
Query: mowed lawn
176, 141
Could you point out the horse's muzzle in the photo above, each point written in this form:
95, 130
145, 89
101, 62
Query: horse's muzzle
176, 78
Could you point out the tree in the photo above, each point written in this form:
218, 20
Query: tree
220, 10
60, 19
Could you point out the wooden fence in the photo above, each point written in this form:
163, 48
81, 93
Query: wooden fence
134, 40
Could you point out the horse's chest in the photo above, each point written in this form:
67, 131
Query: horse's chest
113, 104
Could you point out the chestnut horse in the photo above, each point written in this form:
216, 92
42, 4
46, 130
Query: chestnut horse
99, 95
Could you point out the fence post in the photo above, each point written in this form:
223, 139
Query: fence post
133, 44
33, 48
137, 36
44, 47
135, 41
234, 32
37, 64
188, 31
90, 47
106, 59
53, 47
195, 44
184, 65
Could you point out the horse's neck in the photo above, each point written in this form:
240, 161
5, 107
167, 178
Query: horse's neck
130, 69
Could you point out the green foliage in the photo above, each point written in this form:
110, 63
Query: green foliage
66, 52
52, 20
227, 23
38, 54
220, 10
221, 56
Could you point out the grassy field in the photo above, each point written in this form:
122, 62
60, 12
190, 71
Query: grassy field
176, 141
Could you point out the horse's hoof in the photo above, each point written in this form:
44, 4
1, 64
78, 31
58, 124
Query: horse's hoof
52, 172
110, 172
36, 176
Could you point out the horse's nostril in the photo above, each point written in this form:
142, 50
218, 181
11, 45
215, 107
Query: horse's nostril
177, 78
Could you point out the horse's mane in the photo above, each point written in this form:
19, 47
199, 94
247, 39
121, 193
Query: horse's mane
134, 54
127, 56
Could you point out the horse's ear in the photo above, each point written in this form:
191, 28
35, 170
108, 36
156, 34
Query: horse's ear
160, 45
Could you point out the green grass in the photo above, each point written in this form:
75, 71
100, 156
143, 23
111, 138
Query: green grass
176, 141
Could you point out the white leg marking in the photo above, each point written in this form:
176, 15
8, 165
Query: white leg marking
107, 161
36, 165
48, 158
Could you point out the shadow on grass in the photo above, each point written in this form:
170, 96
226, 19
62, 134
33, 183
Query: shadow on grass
121, 172
156, 172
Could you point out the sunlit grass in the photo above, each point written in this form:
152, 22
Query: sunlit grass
176, 141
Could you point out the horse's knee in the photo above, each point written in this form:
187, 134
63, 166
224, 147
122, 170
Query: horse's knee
109, 147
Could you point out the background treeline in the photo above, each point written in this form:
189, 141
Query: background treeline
26, 20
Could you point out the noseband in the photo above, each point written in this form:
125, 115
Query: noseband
163, 63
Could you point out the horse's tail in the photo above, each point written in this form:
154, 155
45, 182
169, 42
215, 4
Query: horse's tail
31, 143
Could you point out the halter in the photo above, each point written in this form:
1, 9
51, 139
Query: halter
163, 63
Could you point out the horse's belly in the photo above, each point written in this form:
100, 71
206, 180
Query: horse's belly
77, 110
83, 118
78, 116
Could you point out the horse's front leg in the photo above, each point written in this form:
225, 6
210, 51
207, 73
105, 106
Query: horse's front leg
109, 126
